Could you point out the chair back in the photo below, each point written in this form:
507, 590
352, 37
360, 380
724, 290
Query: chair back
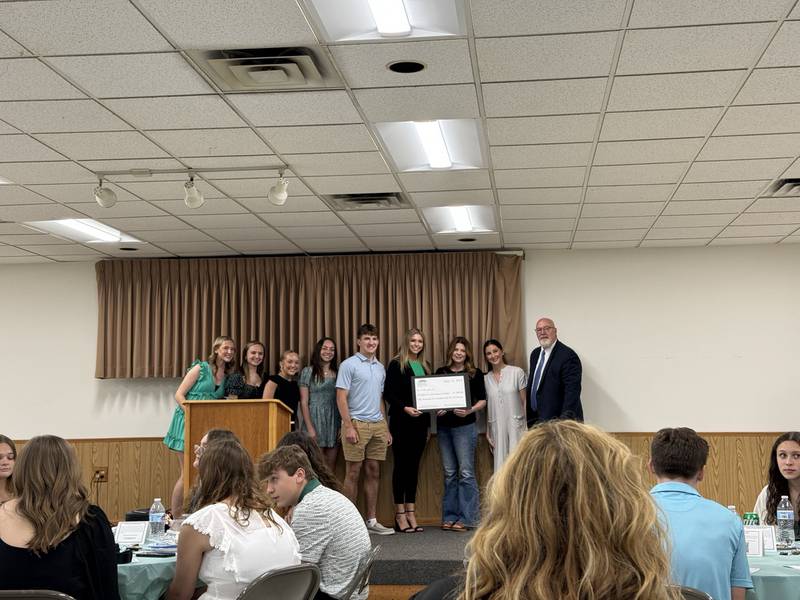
33, 595
300, 582
361, 579
689, 593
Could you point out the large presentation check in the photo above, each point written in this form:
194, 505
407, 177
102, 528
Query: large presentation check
441, 392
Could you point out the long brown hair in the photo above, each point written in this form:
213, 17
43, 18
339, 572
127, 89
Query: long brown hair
778, 485
314, 454
49, 490
244, 365
316, 360
568, 517
10, 481
227, 473
230, 367
402, 355
469, 361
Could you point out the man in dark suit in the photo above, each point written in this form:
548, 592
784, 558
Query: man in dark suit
554, 380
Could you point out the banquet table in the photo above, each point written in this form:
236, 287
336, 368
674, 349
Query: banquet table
145, 578
776, 578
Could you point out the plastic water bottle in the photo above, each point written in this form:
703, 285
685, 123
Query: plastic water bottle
156, 518
785, 518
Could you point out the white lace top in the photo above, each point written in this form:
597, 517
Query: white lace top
240, 554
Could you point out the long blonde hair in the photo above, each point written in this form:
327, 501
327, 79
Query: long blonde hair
49, 490
568, 517
231, 366
403, 352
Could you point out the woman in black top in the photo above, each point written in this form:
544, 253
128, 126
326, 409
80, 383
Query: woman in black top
248, 384
408, 426
50, 536
283, 386
458, 437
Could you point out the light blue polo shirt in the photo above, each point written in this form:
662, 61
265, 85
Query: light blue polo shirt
708, 548
363, 379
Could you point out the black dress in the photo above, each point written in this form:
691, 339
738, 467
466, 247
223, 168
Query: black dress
235, 385
84, 565
287, 392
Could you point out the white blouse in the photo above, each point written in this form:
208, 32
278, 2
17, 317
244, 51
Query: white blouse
239, 553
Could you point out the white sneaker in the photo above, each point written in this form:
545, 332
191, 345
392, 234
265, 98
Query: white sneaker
379, 529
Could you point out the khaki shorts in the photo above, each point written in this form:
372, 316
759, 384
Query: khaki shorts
372, 441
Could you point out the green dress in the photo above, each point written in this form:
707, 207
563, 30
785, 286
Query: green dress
322, 408
203, 389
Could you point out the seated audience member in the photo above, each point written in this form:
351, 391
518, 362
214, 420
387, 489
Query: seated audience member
8, 454
318, 462
567, 517
283, 386
212, 435
248, 382
50, 536
235, 536
328, 526
784, 480
708, 548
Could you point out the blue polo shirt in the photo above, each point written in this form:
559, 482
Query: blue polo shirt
363, 379
708, 548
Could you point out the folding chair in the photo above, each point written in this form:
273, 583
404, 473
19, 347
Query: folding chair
300, 582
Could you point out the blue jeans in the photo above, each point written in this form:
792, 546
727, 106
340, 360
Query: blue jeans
461, 498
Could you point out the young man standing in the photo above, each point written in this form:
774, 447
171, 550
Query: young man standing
327, 525
708, 548
365, 435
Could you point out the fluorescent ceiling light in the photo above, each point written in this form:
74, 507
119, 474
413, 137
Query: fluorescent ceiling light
4, 181
460, 216
433, 142
390, 17
85, 231
460, 219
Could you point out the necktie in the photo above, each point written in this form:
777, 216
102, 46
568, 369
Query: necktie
537, 377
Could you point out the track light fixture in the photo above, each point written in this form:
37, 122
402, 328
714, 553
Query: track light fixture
278, 193
105, 197
192, 197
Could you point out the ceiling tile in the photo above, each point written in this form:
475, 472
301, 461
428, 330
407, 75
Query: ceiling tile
10, 251
192, 248
175, 112
11, 49
119, 164
6, 128
736, 170
686, 122
80, 27
290, 219
555, 177
637, 174
743, 120
751, 146
733, 241
530, 225
212, 206
707, 207
136, 208
366, 217
622, 209
163, 74
719, 191
102, 145
214, 24
257, 188
60, 116
646, 151
531, 98
296, 108
604, 245
34, 239
172, 235
544, 155
768, 218
654, 13
331, 245
221, 221
776, 204
610, 235
253, 233
692, 48
399, 242
280, 246
537, 237
539, 211
680, 90
29, 79
303, 235
320, 138
771, 86
14, 194
545, 57
629, 193
210, 142
23, 147
294, 204
540, 196
389, 229
446, 180
165, 190
45, 172
757, 230
668, 233
14, 229
648, 243
131, 224
64, 250
365, 65
352, 184
719, 220
540, 246
78, 192
341, 163
453, 198
521, 17
541, 130
613, 223
419, 103
785, 47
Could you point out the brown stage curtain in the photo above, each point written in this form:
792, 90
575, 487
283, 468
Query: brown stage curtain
156, 316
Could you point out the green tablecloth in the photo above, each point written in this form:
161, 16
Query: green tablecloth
145, 578
774, 580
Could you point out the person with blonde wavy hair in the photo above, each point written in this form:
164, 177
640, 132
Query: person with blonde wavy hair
567, 517
51, 537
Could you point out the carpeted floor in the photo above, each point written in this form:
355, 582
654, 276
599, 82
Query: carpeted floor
417, 558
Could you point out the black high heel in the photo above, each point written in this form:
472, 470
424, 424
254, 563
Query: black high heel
416, 529
397, 525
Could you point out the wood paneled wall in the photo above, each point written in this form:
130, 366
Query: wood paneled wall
141, 469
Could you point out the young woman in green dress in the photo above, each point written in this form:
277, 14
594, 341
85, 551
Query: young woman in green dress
205, 380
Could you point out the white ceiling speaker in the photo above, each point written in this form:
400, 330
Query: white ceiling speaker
192, 197
105, 197
278, 193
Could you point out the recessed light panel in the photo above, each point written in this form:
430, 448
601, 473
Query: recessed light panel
460, 219
433, 145
85, 231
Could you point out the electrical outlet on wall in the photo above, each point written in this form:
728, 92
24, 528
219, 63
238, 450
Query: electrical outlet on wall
100, 475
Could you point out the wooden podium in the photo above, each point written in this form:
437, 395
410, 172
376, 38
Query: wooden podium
259, 424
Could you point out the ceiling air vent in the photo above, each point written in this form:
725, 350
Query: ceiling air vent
367, 201
785, 187
267, 69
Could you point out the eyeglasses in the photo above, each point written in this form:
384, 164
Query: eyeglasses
543, 329
198, 449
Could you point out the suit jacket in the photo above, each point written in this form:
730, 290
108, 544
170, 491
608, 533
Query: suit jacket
559, 394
